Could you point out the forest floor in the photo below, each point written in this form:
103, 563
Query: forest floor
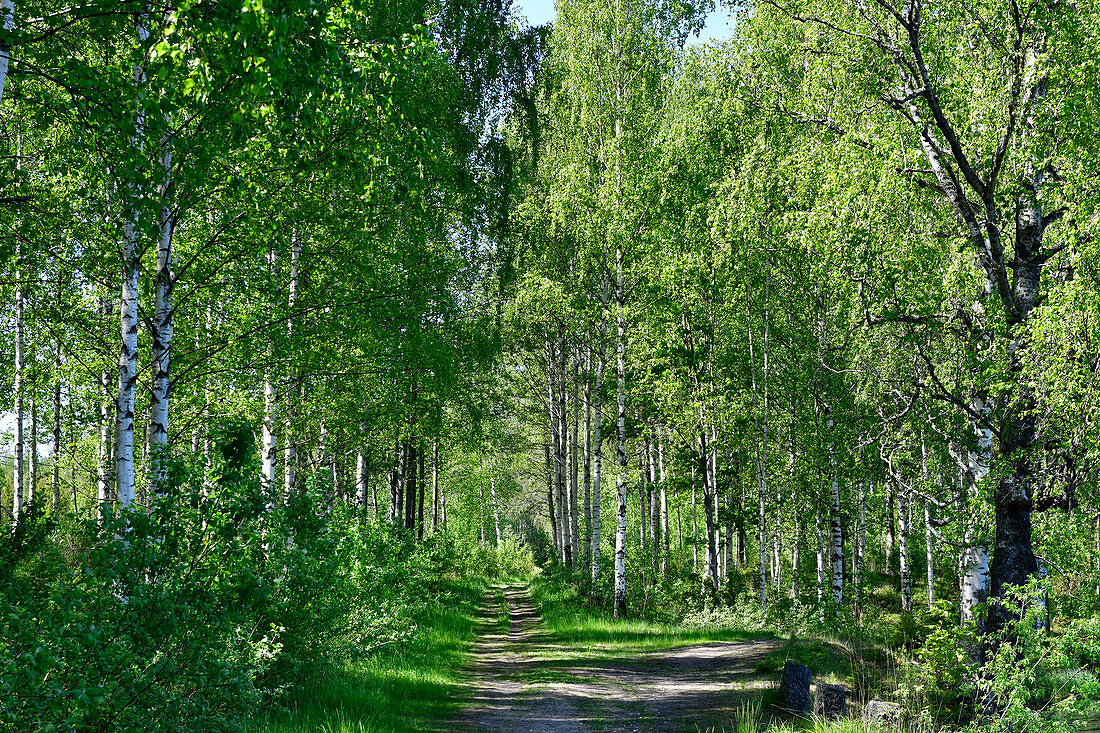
525, 677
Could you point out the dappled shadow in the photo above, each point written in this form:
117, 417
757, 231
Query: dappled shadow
531, 680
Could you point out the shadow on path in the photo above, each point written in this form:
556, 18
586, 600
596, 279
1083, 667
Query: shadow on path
523, 681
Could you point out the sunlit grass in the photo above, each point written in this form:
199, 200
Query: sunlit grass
569, 623
401, 688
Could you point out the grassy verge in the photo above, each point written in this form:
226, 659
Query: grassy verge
569, 621
406, 687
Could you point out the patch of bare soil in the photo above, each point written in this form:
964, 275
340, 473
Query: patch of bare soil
521, 682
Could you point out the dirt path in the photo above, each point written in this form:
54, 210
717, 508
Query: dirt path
522, 682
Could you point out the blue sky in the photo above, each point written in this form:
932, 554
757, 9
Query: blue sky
540, 11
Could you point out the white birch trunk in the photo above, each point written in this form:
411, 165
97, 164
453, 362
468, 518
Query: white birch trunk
694, 524
269, 444
290, 467
574, 465
20, 379
128, 310
859, 551
836, 545
163, 327
493, 502
620, 430
55, 481
903, 547
974, 559
597, 448
32, 448
7, 22
435, 486
361, 471
820, 532
666, 549
587, 470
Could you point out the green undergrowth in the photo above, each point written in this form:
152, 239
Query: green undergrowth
571, 619
400, 687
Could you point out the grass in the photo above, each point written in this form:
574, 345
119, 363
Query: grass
569, 623
400, 688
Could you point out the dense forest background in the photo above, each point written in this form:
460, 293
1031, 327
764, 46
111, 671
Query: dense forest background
314, 311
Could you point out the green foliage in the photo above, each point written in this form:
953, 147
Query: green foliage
197, 613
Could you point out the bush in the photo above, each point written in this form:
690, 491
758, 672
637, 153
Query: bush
204, 609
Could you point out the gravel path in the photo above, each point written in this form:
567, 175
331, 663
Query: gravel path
522, 682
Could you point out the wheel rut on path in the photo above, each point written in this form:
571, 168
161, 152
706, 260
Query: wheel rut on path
524, 681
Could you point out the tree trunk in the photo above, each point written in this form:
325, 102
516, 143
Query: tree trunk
361, 470
708, 515
32, 447
128, 311
620, 430
162, 329
18, 477
493, 502
550, 473
420, 494
270, 445
694, 525
7, 22
820, 532
435, 486
859, 552
290, 407
587, 469
903, 544
55, 482
597, 448
836, 547
574, 465
654, 508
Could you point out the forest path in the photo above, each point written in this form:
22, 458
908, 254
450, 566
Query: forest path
523, 680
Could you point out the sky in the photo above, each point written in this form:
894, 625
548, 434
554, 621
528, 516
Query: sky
541, 11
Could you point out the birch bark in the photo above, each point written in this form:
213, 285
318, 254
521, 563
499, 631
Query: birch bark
162, 329
128, 310
597, 449
20, 379
290, 465
7, 23
55, 481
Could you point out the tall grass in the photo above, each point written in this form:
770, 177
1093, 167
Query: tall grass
405, 687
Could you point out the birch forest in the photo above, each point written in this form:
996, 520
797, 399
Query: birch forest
400, 365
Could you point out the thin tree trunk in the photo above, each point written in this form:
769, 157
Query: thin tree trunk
493, 501
32, 446
290, 467
929, 563
587, 470
597, 448
361, 470
435, 486
708, 514
574, 465
820, 531
666, 549
836, 534
7, 22
620, 429
654, 508
18, 477
162, 330
694, 524
55, 482
551, 510
128, 311
761, 444
420, 493
859, 552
